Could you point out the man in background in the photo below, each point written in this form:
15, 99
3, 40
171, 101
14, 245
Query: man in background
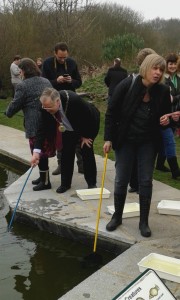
62, 71
15, 72
114, 76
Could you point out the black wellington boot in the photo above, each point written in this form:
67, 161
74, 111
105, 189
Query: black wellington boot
36, 181
144, 214
44, 183
116, 220
174, 167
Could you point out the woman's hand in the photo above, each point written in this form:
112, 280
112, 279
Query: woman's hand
86, 141
35, 159
107, 147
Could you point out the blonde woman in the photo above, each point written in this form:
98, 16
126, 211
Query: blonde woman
132, 129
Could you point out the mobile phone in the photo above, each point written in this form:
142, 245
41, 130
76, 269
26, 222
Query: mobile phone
65, 75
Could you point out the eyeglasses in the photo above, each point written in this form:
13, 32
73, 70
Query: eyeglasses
50, 107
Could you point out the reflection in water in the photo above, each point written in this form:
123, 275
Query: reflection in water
36, 265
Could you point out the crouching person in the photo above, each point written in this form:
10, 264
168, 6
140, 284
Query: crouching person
76, 119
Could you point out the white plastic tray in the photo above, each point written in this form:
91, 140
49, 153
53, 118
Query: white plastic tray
169, 207
165, 266
91, 194
130, 210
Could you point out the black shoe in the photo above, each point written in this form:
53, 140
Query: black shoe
113, 224
92, 186
62, 189
162, 169
36, 181
133, 190
145, 230
42, 186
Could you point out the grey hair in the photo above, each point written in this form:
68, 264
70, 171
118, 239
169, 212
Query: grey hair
151, 61
50, 92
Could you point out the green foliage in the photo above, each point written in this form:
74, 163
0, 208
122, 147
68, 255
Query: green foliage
124, 46
95, 85
16, 121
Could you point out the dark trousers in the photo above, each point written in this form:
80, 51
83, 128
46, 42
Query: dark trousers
125, 157
43, 164
134, 176
70, 140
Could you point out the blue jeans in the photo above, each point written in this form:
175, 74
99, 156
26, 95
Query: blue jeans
125, 156
169, 145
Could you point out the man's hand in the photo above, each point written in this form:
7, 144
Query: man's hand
164, 120
107, 147
68, 79
86, 141
60, 79
35, 159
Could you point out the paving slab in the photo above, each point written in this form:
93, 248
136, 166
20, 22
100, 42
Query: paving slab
52, 211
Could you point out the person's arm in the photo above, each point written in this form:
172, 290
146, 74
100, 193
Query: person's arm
15, 70
114, 107
165, 107
17, 103
35, 157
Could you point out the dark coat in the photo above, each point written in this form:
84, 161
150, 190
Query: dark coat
113, 77
175, 92
121, 109
83, 116
52, 69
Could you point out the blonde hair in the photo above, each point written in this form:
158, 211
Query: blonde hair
151, 61
50, 92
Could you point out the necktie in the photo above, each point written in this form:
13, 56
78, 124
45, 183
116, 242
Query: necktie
58, 133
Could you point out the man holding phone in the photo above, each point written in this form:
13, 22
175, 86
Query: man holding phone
62, 71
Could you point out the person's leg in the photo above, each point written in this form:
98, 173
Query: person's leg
161, 158
89, 163
170, 150
134, 186
67, 160
57, 171
146, 159
44, 183
124, 159
79, 158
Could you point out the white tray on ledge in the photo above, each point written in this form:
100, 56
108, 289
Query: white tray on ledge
169, 207
93, 194
165, 266
130, 210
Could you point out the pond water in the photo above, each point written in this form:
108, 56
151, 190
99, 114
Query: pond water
35, 265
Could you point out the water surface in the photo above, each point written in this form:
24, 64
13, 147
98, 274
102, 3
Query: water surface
36, 265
